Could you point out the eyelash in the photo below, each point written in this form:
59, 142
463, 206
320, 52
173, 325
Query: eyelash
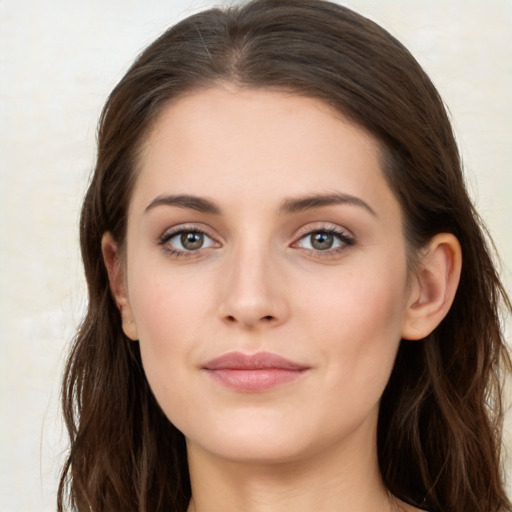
163, 241
343, 237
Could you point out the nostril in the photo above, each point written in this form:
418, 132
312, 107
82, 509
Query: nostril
234, 319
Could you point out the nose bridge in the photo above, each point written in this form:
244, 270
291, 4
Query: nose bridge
253, 292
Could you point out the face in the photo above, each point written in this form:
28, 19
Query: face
265, 274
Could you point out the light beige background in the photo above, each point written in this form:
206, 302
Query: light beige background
58, 61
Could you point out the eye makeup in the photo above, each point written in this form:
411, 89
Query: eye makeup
191, 241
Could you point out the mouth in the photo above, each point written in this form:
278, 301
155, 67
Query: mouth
253, 373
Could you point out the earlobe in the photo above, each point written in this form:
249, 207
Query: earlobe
435, 284
116, 277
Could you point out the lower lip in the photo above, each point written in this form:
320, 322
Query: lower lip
255, 381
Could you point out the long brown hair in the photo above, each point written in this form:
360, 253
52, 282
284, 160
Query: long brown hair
439, 430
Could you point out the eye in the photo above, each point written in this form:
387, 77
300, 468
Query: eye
186, 240
325, 240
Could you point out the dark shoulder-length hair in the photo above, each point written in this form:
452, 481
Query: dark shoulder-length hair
439, 429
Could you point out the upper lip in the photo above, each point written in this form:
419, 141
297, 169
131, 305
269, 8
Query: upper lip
257, 361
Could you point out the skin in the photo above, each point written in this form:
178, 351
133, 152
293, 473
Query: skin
258, 283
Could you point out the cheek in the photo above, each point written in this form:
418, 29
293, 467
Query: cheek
169, 312
164, 302
368, 297
357, 321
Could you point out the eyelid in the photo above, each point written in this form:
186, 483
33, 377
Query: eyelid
170, 233
345, 237
330, 227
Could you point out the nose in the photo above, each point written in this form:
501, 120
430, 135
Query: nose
253, 291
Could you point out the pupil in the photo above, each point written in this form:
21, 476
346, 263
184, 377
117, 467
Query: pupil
192, 240
322, 240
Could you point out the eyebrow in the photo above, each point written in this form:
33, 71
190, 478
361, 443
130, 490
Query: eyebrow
199, 204
288, 206
300, 204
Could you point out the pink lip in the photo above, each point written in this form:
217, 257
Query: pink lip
253, 373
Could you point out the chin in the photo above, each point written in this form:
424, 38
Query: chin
249, 437
266, 438
254, 449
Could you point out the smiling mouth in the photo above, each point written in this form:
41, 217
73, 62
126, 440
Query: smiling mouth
253, 373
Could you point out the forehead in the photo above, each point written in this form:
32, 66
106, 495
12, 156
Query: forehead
233, 143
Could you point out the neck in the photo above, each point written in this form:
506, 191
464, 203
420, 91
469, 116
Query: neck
343, 479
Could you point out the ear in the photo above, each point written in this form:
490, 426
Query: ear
434, 285
116, 277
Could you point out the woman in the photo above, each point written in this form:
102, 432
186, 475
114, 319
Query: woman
291, 300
